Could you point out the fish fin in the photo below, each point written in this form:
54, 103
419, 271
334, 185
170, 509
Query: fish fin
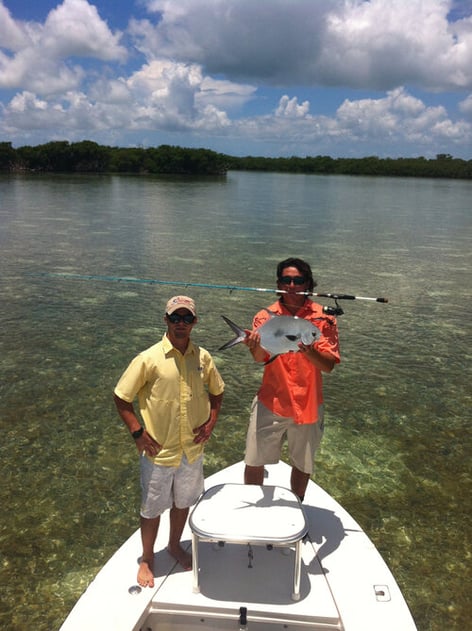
240, 334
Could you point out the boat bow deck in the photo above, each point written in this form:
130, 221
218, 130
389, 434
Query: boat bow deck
345, 585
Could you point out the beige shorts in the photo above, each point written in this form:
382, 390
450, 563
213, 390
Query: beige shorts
267, 432
163, 487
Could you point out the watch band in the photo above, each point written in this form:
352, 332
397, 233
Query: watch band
138, 433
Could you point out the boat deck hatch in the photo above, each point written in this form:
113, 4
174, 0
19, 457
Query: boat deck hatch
249, 515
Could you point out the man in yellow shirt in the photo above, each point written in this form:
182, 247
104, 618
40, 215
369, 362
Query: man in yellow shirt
179, 392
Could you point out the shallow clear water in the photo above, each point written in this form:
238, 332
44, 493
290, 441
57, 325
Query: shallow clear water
397, 447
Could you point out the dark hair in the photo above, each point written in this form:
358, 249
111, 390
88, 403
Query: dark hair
301, 266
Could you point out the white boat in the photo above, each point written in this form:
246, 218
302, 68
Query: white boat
250, 581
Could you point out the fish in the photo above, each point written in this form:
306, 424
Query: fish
279, 335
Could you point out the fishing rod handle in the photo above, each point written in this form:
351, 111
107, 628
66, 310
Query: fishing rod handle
342, 296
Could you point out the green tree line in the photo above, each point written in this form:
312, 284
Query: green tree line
443, 165
89, 157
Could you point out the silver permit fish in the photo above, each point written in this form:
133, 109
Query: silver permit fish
280, 334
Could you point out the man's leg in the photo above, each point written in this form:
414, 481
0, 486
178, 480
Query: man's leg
149, 528
303, 441
299, 482
254, 475
178, 518
263, 441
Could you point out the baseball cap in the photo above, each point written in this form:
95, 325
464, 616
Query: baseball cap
180, 302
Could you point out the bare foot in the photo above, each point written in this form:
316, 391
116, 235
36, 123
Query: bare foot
180, 555
146, 574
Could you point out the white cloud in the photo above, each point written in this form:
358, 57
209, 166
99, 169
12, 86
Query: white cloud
381, 116
28, 112
446, 130
177, 95
36, 57
375, 44
12, 34
197, 69
75, 28
161, 95
381, 44
111, 91
465, 106
166, 93
38, 73
291, 109
223, 93
26, 102
397, 124
241, 39
397, 120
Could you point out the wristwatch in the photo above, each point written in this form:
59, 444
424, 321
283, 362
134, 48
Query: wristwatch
138, 433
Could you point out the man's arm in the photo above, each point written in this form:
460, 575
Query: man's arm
145, 443
322, 360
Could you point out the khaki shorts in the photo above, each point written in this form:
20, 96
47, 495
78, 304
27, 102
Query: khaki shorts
164, 487
267, 432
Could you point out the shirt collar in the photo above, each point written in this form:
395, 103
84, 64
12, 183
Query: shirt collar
305, 307
169, 347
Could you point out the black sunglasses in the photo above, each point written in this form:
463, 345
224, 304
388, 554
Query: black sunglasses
297, 280
175, 318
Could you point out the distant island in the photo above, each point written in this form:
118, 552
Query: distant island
87, 156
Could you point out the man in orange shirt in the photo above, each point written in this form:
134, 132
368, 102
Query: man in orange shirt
289, 402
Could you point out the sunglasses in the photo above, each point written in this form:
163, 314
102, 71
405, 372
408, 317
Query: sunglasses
297, 280
175, 318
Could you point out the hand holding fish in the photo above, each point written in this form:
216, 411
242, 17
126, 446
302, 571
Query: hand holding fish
252, 339
307, 349
253, 342
304, 348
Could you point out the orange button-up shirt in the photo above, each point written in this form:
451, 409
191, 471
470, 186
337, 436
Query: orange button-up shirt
292, 386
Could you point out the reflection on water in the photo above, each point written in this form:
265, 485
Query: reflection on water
396, 452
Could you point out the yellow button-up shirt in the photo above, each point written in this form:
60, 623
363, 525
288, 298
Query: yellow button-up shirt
172, 391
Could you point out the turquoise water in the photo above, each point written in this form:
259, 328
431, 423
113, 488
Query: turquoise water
397, 447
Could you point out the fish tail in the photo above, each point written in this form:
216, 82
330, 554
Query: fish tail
240, 334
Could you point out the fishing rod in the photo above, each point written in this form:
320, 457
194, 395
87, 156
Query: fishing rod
176, 283
337, 310
150, 281
343, 296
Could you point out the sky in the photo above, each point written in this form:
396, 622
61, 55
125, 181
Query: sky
344, 78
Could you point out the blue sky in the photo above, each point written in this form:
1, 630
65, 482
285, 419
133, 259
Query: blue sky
244, 77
